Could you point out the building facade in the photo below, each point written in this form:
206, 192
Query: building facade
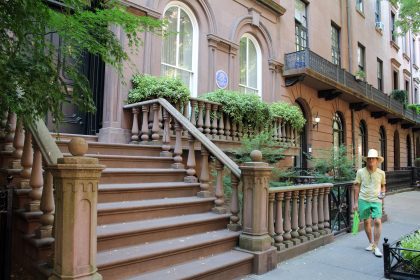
302, 52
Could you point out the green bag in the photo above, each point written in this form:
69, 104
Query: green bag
356, 221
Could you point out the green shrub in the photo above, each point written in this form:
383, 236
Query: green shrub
147, 87
415, 108
288, 112
243, 108
412, 242
400, 95
334, 164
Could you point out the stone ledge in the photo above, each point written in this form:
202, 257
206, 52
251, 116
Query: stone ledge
304, 247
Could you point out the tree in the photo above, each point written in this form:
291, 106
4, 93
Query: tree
30, 81
409, 15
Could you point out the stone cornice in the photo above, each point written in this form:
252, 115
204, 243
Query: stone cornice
222, 44
395, 62
273, 6
407, 73
140, 10
275, 65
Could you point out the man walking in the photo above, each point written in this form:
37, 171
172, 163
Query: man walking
369, 191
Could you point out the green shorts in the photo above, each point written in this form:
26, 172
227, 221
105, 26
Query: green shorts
369, 209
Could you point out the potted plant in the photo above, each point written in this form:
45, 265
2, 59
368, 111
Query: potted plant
360, 75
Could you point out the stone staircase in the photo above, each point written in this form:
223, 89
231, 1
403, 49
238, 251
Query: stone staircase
152, 224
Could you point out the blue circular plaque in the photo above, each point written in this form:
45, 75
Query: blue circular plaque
222, 79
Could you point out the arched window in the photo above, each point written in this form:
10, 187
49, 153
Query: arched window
338, 131
409, 161
396, 150
382, 147
249, 65
180, 47
363, 142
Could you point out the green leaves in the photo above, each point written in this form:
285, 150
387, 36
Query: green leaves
147, 87
290, 113
412, 242
400, 95
408, 16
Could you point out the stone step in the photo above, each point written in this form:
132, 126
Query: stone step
131, 233
116, 149
69, 136
130, 261
228, 265
126, 211
141, 175
140, 191
124, 161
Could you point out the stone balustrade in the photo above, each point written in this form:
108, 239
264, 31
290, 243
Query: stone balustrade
298, 214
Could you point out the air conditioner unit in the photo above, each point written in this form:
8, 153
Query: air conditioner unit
379, 25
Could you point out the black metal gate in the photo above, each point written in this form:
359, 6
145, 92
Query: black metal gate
340, 203
6, 198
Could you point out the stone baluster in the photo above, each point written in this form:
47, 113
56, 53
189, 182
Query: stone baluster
178, 146
36, 182
234, 131
255, 237
185, 111
76, 182
166, 136
193, 118
135, 127
287, 236
160, 117
207, 120
308, 214
47, 207
155, 126
321, 211
190, 178
295, 218
283, 132
275, 131
222, 126
10, 132
200, 116
240, 131
279, 130
315, 213
214, 128
278, 240
3, 121
302, 220
18, 143
204, 175
228, 128
234, 205
150, 119
271, 232
145, 124
26, 161
219, 192
326, 210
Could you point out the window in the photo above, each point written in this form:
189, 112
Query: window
396, 150
409, 162
380, 74
361, 61
395, 79
359, 5
301, 26
413, 47
393, 37
407, 87
404, 43
338, 131
250, 65
335, 45
416, 96
363, 143
378, 11
179, 52
382, 147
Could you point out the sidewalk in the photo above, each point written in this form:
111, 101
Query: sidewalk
346, 258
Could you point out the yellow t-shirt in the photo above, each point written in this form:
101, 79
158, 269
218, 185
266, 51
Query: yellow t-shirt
370, 184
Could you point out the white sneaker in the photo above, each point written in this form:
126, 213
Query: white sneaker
377, 252
370, 247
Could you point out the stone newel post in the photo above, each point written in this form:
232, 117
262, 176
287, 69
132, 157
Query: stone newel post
255, 237
76, 193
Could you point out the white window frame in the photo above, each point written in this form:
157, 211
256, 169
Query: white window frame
259, 62
194, 69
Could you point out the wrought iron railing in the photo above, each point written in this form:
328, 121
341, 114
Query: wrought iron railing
310, 60
340, 207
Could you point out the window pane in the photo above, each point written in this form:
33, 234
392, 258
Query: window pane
252, 65
185, 41
169, 42
300, 12
242, 61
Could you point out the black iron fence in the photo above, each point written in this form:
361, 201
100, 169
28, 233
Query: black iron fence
399, 262
340, 207
6, 198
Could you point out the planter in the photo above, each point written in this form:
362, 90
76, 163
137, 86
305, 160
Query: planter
399, 262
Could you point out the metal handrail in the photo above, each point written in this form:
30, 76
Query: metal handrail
208, 144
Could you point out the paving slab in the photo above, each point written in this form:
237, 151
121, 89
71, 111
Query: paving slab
346, 258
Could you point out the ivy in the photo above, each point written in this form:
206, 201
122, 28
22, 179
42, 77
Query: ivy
415, 108
290, 113
400, 95
245, 108
412, 242
146, 87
